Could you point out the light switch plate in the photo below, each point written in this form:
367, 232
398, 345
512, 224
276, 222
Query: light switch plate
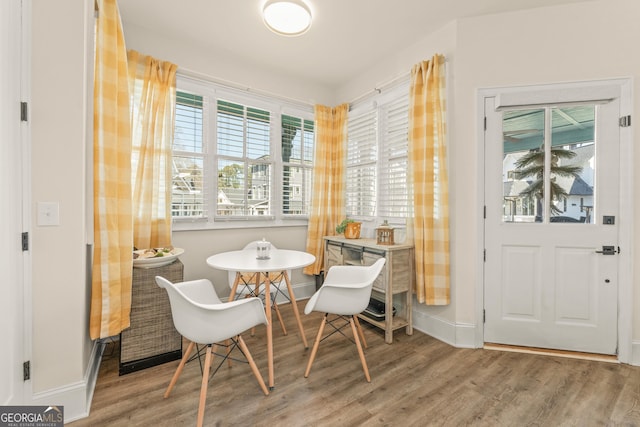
48, 214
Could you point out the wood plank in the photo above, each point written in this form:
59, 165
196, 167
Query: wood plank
416, 381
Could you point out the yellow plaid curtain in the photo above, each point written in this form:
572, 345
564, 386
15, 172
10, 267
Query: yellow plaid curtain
152, 84
113, 233
327, 204
429, 182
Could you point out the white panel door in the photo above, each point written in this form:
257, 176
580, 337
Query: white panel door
552, 198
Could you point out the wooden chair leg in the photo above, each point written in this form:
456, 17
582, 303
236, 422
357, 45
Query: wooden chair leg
174, 380
203, 388
253, 330
364, 342
315, 346
253, 365
360, 352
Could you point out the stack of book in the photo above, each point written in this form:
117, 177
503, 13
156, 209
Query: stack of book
376, 310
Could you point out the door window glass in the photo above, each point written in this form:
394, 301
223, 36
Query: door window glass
523, 165
549, 164
572, 164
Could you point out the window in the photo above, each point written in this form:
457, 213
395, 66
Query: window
362, 158
244, 160
394, 200
297, 164
377, 158
237, 156
560, 163
188, 158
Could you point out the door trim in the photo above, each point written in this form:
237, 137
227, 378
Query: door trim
25, 137
625, 260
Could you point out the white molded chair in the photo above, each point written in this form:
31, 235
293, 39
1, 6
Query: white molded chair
247, 286
200, 317
345, 292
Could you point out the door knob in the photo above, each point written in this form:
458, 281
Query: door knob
607, 250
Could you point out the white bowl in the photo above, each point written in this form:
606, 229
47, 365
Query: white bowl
156, 261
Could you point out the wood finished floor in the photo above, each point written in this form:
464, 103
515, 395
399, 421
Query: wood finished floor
416, 381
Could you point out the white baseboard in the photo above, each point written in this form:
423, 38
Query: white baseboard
76, 397
635, 353
461, 335
465, 335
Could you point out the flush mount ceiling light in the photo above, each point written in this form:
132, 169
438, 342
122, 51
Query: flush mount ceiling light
287, 17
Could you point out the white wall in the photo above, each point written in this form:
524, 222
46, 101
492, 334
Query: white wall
222, 65
442, 41
60, 35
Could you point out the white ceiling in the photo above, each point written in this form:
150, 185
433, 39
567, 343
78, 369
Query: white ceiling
346, 36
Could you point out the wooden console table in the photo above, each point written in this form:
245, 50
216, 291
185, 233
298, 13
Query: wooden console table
151, 339
397, 276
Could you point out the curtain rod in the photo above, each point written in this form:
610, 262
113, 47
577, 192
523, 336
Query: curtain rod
386, 85
380, 87
233, 85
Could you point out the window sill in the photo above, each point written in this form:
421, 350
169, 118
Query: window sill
186, 225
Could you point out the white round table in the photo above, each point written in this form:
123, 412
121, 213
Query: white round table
280, 260
245, 261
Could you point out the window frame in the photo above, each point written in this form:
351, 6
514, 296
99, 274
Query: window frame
244, 158
367, 115
300, 165
380, 103
202, 156
385, 208
211, 93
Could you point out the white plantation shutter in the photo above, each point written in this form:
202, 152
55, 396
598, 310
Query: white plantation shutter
394, 197
297, 164
229, 162
189, 186
230, 128
258, 133
362, 156
244, 160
